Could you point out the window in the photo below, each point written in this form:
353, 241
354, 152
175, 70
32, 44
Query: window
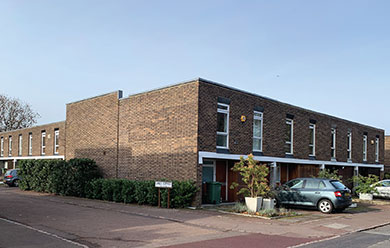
56, 141
312, 142
349, 145
333, 145
2, 147
20, 145
223, 126
377, 149
295, 184
43, 143
289, 136
10, 146
258, 131
364, 147
30, 144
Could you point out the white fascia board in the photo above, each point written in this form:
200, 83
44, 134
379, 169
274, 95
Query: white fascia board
34, 157
214, 155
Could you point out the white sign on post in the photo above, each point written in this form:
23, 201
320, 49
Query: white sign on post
167, 185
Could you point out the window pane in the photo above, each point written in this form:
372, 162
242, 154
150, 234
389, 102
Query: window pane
312, 184
257, 128
311, 150
222, 140
257, 144
222, 122
288, 132
287, 148
311, 136
222, 107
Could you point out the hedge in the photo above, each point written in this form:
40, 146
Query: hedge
141, 192
82, 178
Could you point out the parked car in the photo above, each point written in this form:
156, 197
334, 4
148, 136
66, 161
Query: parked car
11, 178
383, 188
324, 194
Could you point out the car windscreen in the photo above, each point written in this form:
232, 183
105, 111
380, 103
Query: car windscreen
338, 185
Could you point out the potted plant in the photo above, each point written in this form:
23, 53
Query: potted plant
254, 176
365, 186
269, 200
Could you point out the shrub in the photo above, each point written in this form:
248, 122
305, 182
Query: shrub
326, 173
128, 191
181, 195
365, 185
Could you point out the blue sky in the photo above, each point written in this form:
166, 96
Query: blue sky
328, 56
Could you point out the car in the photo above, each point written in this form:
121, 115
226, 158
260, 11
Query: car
383, 189
11, 178
326, 195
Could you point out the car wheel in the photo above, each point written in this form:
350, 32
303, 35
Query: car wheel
16, 183
325, 206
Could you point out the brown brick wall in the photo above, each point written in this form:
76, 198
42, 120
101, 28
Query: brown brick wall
36, 140
158, 134
91, 131
387, 154
240, 134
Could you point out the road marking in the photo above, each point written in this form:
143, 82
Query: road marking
336, 226
44, 232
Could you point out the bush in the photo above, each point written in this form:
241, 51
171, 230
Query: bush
81, 178
365, 185
58, 176
326, 173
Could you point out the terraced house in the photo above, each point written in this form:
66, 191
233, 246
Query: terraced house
197, 130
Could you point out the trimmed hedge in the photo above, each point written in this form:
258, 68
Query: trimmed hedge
82, 178
141, 192
58, 176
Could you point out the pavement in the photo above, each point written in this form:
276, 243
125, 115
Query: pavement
37, 219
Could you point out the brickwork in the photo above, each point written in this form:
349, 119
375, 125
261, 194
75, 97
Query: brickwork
36, 140
240, 133
387, 154
158, 134
92, 131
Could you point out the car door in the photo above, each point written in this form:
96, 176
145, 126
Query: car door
384, 189
311, 192
291, 192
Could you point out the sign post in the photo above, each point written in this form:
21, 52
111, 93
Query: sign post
164, 185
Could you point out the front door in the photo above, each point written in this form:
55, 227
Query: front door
221, 176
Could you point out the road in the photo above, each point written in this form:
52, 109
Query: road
375, 238
29, 219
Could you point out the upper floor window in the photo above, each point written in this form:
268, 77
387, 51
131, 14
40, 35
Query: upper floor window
349, 145
10, 146
365, 147
312, 142
2, 147
223, 126
257, 131
376, 149
289, 136
56, 141
20, 145
333, 145
30, 144
43, 143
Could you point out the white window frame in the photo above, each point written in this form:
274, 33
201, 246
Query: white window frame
30, 144
365, 148
349, 148
312, 126
258, 116
20, 145
224, 111
2, 147
377, 149
43, 144
333, 146
56, 141
291, 143
10, 146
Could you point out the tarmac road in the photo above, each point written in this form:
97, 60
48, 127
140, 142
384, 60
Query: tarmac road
375, 238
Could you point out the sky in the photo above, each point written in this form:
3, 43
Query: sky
328, 56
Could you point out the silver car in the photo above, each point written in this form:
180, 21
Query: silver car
383, 188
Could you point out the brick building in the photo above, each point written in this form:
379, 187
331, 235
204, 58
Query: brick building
197, 130
387, 154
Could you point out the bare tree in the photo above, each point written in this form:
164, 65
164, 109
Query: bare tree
15, 114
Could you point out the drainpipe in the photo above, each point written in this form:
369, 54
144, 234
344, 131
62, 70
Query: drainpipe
273, 174
322, 167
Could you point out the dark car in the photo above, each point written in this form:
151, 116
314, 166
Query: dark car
11, 178
325, 194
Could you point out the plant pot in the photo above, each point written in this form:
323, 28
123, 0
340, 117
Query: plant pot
268, 203
365, 196
253, 203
